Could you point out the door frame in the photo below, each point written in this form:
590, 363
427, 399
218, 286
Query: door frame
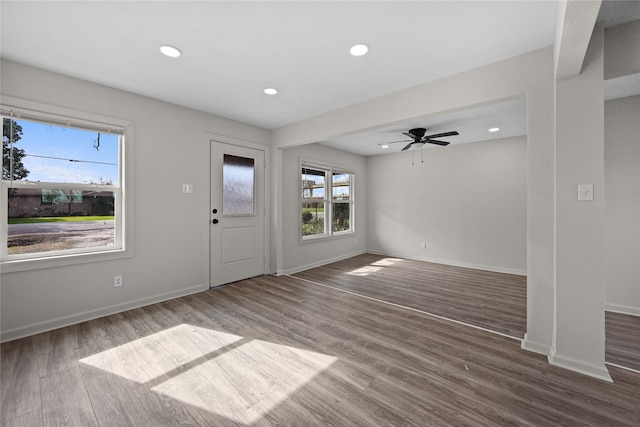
224, 139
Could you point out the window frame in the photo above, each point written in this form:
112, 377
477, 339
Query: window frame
328, 201
123, 194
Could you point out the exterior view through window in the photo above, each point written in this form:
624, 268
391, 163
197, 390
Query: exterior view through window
326, 201
61, 188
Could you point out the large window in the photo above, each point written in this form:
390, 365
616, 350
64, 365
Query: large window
326, 201
62, 186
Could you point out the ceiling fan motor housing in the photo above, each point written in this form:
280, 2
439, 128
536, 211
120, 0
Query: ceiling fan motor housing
418, 133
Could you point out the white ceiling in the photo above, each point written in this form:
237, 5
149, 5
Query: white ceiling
232, 50
472, 124
235, 49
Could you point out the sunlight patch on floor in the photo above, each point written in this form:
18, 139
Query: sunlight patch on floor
374, 267
239, 378
150, 358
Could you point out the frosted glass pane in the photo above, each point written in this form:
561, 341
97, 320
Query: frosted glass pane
238, 185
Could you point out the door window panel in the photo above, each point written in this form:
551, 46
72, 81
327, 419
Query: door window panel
238, 185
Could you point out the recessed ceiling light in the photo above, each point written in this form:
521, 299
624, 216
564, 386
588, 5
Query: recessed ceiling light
384, 146
494, 129
359, 49
170, 51
270, 91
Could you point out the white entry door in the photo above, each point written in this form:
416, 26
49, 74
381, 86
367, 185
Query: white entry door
237, 213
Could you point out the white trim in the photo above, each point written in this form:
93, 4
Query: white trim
72, 319
319, 263
61, 116
125, 189
495, 269
622, 309
328, 201
534, 346
626, 368
596, 371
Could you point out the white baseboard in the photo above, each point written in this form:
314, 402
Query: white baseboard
622, 309
319, 263
534, 346
596, 371
72, 319
492, 268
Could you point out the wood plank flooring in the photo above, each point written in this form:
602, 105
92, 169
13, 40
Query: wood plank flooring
494, 301
281, 351
622, 340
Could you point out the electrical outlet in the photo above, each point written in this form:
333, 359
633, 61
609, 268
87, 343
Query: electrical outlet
117, 281
423, 245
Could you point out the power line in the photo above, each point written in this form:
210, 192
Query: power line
71, 160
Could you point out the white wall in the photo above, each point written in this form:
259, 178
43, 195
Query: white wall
622, 208
468, 202
621, 50
299, 256
171, 147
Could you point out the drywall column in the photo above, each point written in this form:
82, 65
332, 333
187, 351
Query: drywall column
578, 341
540, 211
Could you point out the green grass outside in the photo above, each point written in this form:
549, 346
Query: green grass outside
36, 220
313, 210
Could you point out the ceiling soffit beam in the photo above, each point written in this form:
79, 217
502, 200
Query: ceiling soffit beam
576, 20
622, 50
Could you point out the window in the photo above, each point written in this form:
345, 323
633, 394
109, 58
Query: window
62, 187
238, 182
326, 201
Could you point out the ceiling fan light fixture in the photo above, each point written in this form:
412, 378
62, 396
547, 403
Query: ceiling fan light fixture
271, 91
359, 49
170, 51
494, 129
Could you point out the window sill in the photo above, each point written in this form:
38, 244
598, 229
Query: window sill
17, 265
325, 237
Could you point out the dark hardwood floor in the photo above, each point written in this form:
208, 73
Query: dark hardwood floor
282, 351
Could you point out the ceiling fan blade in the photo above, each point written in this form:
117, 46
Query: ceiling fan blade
440, 135
407, 147
394, 142
433, 141
410, 135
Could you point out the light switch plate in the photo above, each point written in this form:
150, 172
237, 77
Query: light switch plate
585, 191
187, 188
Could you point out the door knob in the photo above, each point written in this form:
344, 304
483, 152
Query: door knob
215, 221
215, 211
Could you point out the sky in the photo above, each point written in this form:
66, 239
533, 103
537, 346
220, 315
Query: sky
65, 144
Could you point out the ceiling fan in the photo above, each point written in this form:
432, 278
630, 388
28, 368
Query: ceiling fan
419, 139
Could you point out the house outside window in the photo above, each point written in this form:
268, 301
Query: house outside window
62, 189
326, 201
